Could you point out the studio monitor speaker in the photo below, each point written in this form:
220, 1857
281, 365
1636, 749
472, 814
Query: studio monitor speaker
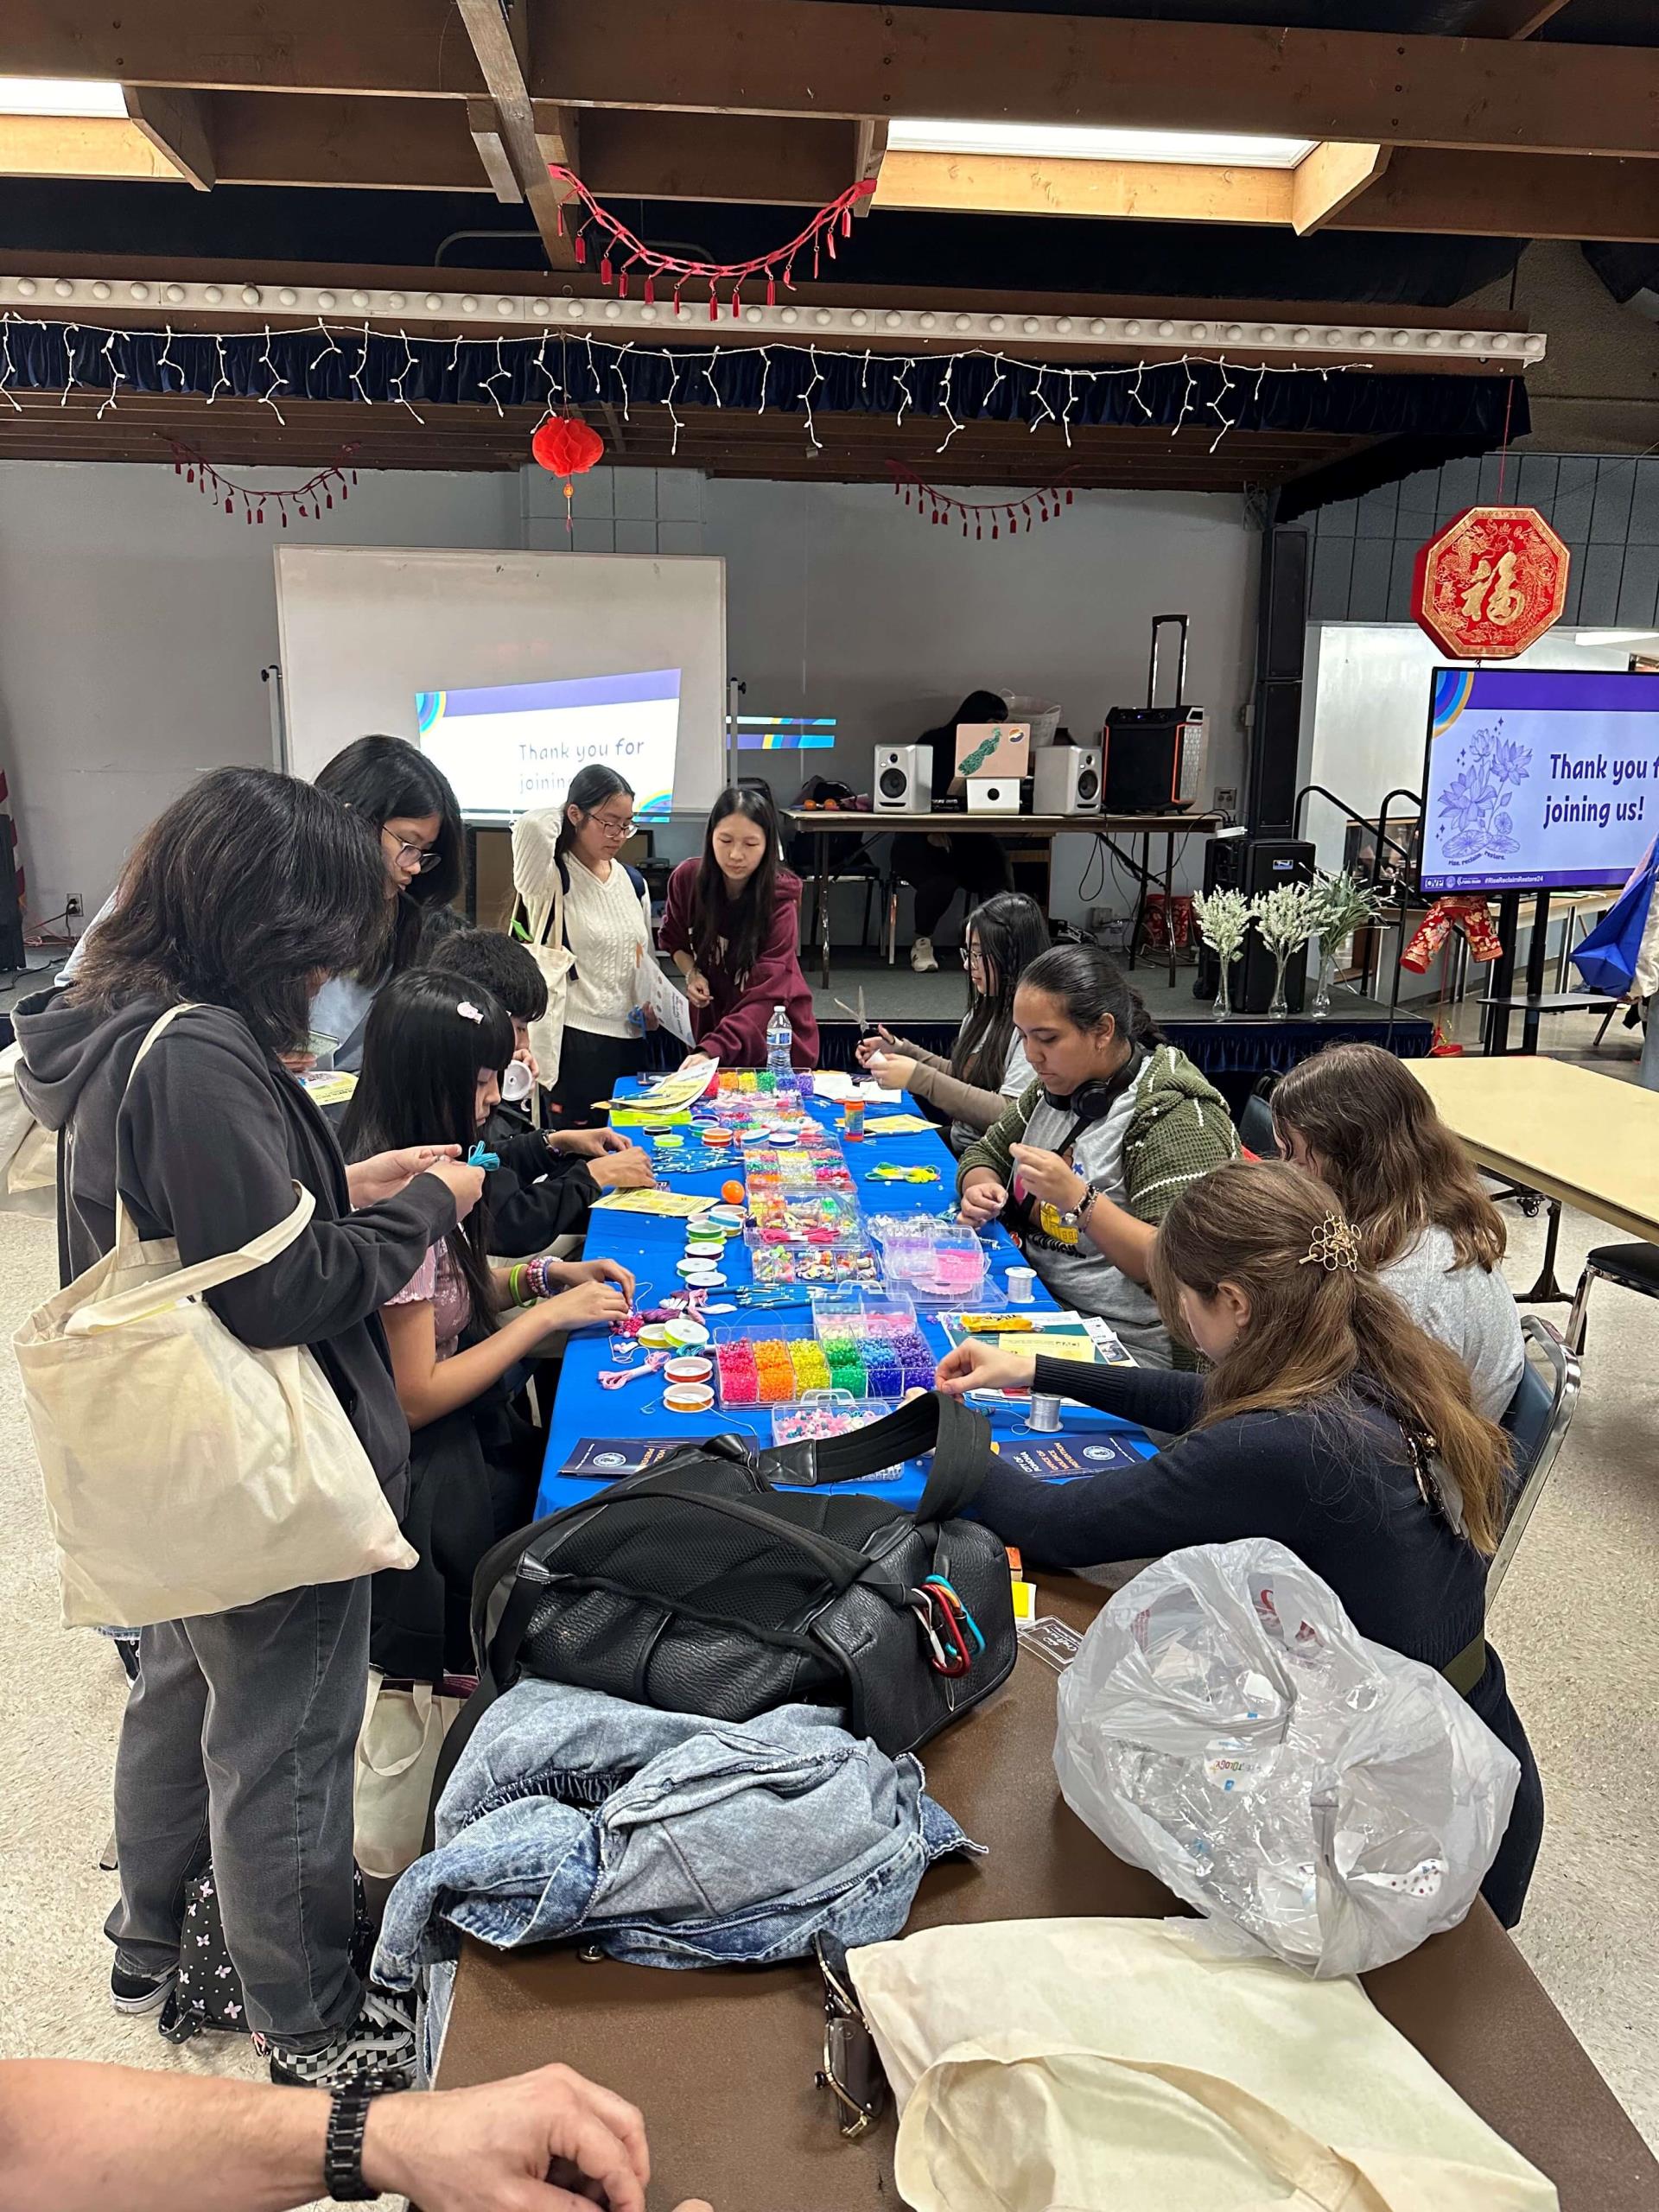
1067, 778
904, 779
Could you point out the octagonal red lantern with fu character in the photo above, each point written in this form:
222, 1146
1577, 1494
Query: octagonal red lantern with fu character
1490, 583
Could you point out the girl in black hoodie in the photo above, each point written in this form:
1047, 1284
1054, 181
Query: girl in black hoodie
240, 1732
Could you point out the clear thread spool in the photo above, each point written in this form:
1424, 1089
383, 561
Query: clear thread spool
1044, 1414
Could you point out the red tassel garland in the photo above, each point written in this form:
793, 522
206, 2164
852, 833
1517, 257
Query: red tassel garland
818, 237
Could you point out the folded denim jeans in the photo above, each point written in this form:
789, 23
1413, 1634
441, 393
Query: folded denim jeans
665, 1837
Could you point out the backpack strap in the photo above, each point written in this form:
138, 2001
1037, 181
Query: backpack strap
959, 1438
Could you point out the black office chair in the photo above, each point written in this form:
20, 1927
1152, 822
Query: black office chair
1536, 1419
1255, 1130
1632, 1267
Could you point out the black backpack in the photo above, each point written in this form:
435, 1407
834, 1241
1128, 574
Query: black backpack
697, 1587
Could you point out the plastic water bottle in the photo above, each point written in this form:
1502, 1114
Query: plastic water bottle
779, 1037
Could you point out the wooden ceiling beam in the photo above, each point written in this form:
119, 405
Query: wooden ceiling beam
413, 47
484, 128
1512, 18
866, 59
1494, 91
501, 45
107, 146
804, 57
1330, 178
350, 140
1522, 195
1160, 192
173, 122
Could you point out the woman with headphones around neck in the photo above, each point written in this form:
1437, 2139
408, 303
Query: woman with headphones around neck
1085, 1165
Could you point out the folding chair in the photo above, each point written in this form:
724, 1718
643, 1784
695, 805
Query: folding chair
1536, 1419
1632, 1267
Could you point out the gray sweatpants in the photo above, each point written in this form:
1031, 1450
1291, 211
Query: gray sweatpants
239, 1741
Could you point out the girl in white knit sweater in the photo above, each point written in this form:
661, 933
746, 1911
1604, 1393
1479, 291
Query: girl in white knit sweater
585, 915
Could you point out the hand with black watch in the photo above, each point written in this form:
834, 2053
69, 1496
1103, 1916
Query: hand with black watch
474, 2150
550, 2138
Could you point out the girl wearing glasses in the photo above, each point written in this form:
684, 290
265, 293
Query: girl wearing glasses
585, 915
734, 926
393, 787
987, 1068
409, 803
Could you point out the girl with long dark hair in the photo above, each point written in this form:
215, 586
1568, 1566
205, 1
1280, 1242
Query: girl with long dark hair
408, 804
1327, 1420
988, 1066
433, 1059
733, 927
1115, 1126
1359, 1120
586, 916
243, 1725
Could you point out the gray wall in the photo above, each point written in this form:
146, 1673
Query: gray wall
1604, 506
135, 616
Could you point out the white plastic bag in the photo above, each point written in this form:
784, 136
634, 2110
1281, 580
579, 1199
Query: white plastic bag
1226, 1726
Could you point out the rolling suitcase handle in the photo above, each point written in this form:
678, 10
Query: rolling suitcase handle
1158, 624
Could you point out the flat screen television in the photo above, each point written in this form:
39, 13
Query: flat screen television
511, 746
1538, 779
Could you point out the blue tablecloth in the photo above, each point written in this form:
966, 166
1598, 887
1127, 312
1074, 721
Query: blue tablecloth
651, 1249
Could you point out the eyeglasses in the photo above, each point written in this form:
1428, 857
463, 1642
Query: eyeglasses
425, 857
971, 957
851, 2071
612, 825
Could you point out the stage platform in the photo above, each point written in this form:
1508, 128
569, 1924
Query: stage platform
1234, 1053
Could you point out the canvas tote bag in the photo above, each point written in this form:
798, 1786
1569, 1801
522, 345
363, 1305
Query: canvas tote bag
185, 1473
539, 911
403, 1729
1062, 2065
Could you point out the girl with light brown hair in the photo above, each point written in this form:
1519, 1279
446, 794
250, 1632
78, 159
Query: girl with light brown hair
1359, 1120
1326, 1420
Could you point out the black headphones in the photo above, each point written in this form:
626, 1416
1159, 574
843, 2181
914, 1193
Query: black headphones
1094, 1100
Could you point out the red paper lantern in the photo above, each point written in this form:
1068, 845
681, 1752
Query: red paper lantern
566, 447
1490, 583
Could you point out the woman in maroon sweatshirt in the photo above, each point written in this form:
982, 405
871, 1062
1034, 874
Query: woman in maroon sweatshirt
734, 926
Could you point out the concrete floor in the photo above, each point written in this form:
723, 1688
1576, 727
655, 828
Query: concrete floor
1575, 1622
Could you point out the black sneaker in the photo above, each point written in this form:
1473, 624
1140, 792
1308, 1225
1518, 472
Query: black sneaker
136, 1994
377, 2050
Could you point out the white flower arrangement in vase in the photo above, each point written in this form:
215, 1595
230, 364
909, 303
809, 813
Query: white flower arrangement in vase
1224, 920
1342, 904
1285, 918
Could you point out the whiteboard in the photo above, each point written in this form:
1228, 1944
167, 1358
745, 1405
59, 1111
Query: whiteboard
363, 630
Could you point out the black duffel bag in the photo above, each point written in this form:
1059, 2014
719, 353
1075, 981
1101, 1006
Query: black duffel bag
697, 1587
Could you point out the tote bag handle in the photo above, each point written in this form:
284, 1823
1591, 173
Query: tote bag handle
145, 1299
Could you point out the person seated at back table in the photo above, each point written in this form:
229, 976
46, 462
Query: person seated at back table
433, 1053
1086, 1164
988, 1066
940, 863
1356, 1117
734, 928
1327, 1422
549, 1178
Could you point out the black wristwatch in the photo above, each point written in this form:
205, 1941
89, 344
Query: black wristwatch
342, 2150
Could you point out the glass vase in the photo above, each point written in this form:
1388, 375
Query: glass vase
1278, 1006
1223, 1005
1327, 976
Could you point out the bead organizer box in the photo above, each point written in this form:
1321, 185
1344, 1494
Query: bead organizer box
932, 1259
830, 1413
872, 1344
814, 1264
